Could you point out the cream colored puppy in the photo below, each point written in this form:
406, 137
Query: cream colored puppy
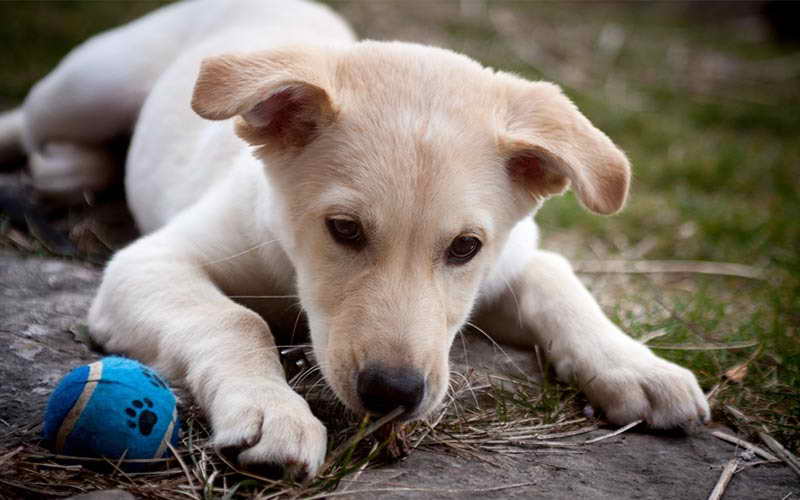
388, 187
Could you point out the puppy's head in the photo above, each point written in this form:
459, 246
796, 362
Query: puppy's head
400, 171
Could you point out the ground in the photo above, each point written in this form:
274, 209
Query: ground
704, 100
44, 302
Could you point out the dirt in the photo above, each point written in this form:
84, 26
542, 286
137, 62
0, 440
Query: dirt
631, 466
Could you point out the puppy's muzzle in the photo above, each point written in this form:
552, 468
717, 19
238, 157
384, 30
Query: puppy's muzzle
382, 389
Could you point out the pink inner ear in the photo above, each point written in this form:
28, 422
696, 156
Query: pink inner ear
266, 111
537, 172
290, 116
526, 168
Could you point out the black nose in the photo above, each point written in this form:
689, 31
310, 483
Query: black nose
382, 389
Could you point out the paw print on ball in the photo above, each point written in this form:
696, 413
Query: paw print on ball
154, 379
141, 417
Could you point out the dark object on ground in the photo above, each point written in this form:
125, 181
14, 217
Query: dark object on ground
16, 203
782, 17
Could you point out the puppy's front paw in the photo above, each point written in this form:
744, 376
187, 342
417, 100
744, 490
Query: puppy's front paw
644, 386
270, 427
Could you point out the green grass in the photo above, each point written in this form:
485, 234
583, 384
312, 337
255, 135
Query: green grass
36, 34
728, 170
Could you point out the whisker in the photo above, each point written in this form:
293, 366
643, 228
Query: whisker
464, 349
495, 344
261, 349
516, 302
319, 384
321, 390
262, 296
292, 346
465, 386
300, 382
301, 377
296, 322
239, 254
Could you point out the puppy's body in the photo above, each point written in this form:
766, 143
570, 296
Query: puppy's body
390, 193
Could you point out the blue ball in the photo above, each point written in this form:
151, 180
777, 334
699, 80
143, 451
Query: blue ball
112, 408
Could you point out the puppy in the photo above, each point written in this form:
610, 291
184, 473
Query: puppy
387, 187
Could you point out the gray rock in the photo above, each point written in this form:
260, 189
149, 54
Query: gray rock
43, 304
630, 466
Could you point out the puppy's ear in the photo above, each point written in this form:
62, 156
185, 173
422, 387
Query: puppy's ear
549, 144
279, 95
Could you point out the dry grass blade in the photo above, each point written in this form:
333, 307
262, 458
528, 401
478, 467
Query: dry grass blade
92, 460
267, 481
669, 266
707, 346
10, 454
26, 487
429, 427
727, 473
184, 468
350, 443
116, 465
792, 461
423, 490
644, 339
576, 432
615, 433
737, 414
746, 445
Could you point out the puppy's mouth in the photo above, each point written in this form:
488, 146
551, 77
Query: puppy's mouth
399, 414
375, 390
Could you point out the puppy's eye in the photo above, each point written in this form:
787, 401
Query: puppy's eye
346, 231
463, 249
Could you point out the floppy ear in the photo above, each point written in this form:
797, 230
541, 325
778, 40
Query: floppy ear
280, 95
548, 145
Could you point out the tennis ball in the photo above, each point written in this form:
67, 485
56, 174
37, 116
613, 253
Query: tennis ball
113, 408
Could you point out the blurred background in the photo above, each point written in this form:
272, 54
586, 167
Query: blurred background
705, 99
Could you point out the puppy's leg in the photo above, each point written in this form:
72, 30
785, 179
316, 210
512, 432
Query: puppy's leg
92, 97
70, 116
156, 303
66, 170
546, 305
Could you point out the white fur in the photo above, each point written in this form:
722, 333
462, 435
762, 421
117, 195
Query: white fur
419, 156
